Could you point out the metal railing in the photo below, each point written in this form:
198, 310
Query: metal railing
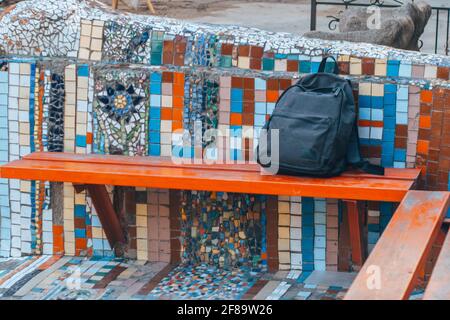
437, 12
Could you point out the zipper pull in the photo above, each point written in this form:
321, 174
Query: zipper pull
337, 91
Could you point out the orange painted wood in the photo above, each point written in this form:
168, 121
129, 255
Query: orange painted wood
157, 173
106, 214
438, 287
391, 270
355, 232
390, 173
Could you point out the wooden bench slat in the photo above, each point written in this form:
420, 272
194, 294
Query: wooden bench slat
390, 173
438, 287
191, 178
402, 248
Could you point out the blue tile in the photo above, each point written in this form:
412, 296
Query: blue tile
364, 113
364, 101
260, 119
155, 149
155, 124
155, 100
315, 66
260, 84
270, 107
391, 88
155, 113
389, 110
377, 102
80, 211
237, 94
83, 70
400, 155
389, 123
377, 115
155, 137
393, 68
402, 93
390, 98
155, 77
307, 205
80, 233
155, 88
236, 106
401, 118
80, 141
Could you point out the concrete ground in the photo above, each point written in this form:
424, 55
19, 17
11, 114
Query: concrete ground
283, 16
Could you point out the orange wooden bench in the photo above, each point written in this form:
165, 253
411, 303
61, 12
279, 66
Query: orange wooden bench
391, 270
438, 287
93, 172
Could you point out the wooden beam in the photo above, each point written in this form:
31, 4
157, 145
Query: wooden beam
115, 4
355, 221
438, 287
232, 178
392, 269
150, 7
108, 217
272, 233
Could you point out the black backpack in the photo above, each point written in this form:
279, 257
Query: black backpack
318, 134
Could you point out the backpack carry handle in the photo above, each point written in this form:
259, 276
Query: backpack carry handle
323, 64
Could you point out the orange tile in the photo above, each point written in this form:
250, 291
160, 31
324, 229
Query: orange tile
176, 125
89, 232
272, 95
178, 79
166, 113
369, 123
422, 146
177, 102
425, 122
58, 244
177, 114
178, 90
426, 96
58, 230
235, 119
89, 138
80, 243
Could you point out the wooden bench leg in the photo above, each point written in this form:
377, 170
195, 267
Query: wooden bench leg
355, 221
108, 217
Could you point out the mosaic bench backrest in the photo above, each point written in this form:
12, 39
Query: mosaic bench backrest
122, 84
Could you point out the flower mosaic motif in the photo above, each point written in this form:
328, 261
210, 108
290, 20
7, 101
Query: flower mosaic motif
120, 102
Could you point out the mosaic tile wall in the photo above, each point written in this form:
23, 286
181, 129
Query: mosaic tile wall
125, 84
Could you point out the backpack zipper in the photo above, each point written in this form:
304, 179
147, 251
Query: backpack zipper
337, 91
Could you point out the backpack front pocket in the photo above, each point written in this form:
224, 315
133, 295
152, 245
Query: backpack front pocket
302, 139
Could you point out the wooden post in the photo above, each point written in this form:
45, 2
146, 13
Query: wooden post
115, 4
150, 7
355, 222
272, 233
108, 217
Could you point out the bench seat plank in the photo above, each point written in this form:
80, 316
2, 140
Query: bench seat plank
390, 173
438, 287
151, 173
390, 272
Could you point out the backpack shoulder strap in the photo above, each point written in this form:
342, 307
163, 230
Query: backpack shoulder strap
354, 156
